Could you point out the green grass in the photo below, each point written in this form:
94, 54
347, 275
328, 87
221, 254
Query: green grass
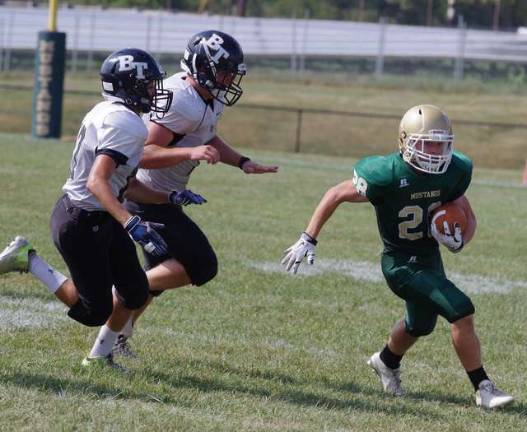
257, 351
493, 147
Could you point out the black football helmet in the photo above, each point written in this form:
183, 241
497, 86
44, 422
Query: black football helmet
126, 76
215, 60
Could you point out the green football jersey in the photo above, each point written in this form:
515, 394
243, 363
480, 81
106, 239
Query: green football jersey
404, 198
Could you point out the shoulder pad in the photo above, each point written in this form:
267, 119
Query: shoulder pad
188, 104
128, 121
461, 161
377, 170
175, 81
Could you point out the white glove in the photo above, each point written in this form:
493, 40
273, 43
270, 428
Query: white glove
453, 242
305, 246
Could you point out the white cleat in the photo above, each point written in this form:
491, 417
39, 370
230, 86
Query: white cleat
15, 257
390, 378
489, 396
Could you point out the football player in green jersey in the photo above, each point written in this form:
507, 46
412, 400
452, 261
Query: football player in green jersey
405, 187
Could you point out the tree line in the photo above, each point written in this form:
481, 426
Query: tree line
489, 14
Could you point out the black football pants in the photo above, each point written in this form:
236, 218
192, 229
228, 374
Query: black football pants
99, 253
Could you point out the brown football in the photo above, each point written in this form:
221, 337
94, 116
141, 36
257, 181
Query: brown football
453, 214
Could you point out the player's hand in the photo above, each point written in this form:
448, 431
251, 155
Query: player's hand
205, 153
185, 197
146, 235
250, 167
293, 255
452, 241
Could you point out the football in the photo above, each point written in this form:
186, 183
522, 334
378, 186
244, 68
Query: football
449, 214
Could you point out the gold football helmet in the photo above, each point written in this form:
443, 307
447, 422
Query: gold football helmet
426, 139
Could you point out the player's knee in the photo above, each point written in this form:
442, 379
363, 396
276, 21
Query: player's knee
101, 315
420, 329
138, 300
463, 309
92, 316
465, 324
207, 270
425, 331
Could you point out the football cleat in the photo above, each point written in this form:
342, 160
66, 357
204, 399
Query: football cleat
103, 363
390, 378
489, 396
122, 348
15, 257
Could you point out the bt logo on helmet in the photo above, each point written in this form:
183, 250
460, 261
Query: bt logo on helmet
127, 63
214, 43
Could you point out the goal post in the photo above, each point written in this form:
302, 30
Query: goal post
50, 58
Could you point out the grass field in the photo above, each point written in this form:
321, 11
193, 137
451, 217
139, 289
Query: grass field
257, 349
493, 147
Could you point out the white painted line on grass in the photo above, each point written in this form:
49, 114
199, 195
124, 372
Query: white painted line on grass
371, 272
20, 313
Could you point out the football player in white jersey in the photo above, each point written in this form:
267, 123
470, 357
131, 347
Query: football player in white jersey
90, 227
213, 66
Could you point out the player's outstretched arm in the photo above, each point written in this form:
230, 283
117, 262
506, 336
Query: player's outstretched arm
157, 154
139, 192
231, 157
343, 192
252, 167
305, 246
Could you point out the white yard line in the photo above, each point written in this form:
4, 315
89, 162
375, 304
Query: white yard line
23, 313
371, 272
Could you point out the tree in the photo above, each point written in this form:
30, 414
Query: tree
502, 14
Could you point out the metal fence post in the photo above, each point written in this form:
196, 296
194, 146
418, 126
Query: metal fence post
89, 63
234, 22
8, 42
293, 59
298, 129
379, 62
304, 42
1, 44
462, 42
148, 28
75, 44
159, 32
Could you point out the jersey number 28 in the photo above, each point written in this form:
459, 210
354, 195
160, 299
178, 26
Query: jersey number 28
413, 216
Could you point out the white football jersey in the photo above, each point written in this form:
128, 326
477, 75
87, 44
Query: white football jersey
109, 128
190, 116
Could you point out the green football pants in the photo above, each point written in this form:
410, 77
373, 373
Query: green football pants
422, 283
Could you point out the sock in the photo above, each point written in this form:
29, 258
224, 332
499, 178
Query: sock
45, 273
393, 361
128, 329
104, 343
476, 376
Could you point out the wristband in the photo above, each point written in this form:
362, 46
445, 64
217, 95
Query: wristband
242, 160
132, 222
310, 239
